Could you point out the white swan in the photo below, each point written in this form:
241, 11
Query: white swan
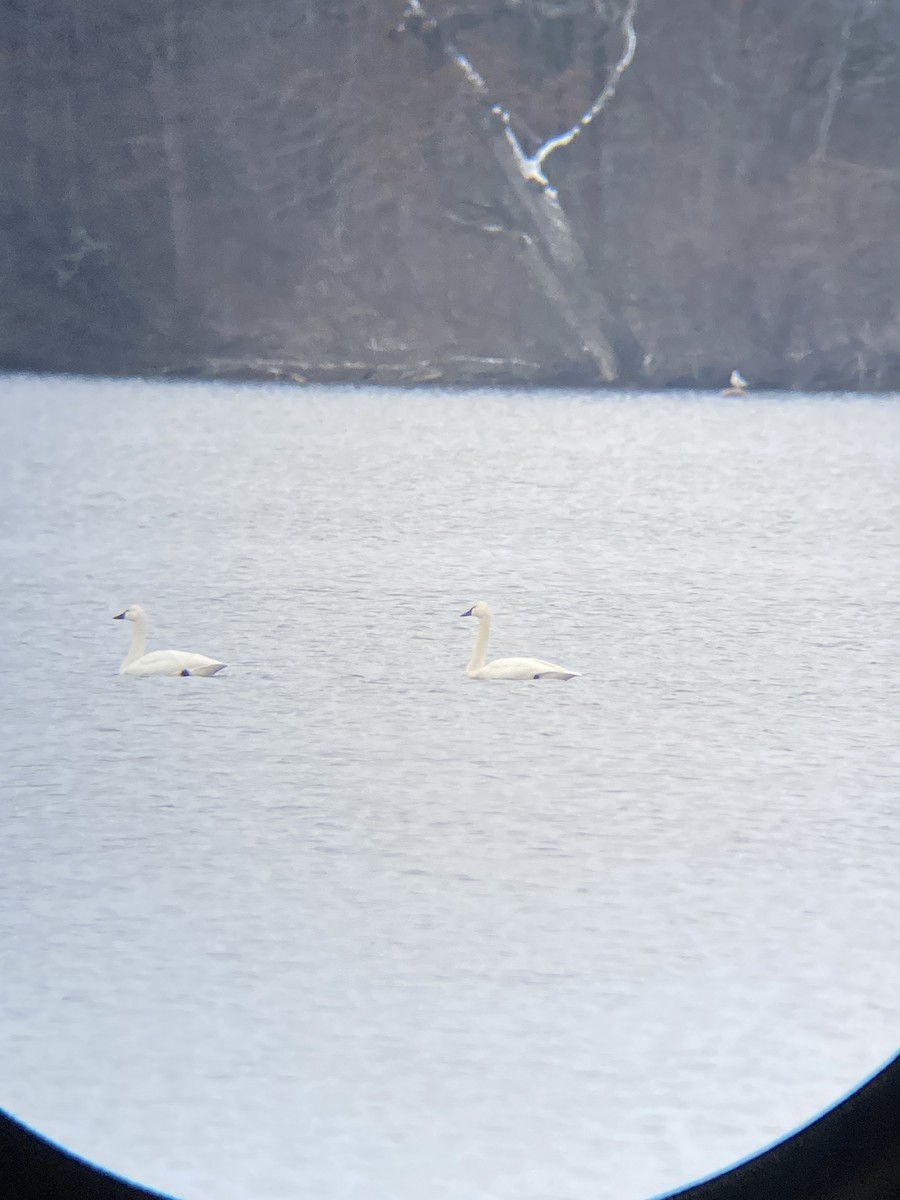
160, 662
506, 668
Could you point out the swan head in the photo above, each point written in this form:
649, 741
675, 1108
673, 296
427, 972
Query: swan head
479, 610
133, 612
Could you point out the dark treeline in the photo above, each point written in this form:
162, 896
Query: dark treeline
348, 189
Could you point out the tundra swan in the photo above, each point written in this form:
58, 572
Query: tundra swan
506, 668
160, 662
738, 383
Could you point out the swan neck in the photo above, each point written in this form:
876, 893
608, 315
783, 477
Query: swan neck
479, 654
136, 650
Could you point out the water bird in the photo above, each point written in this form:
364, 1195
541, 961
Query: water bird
738, 383
160, 662
506, 668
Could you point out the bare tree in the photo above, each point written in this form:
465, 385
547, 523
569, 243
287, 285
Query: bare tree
556, 260
168, 75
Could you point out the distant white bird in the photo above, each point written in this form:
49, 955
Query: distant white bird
506, 668
738, 383
160, 662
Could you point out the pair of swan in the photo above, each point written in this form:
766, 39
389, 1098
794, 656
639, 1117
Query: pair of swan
180, 662
506, 668
160, 662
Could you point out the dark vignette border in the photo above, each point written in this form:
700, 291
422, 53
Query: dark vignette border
851, 1152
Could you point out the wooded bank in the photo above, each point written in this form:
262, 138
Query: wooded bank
371, 190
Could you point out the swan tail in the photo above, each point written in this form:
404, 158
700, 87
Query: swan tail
551, 670
206, 669
204, 666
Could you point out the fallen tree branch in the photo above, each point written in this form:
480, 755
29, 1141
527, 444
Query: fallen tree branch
555, 257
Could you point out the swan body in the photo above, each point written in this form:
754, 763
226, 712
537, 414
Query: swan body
506, 668
160, 662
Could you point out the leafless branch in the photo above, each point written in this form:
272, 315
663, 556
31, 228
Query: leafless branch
833, 91
83, 246
609, 90
531, 166
428, 24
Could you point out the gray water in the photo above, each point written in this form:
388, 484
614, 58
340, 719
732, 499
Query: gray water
341, 923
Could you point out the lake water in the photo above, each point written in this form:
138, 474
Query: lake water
342, 923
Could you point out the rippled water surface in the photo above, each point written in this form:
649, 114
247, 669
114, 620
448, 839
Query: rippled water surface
341, 923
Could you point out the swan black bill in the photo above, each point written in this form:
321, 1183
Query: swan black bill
185, 672
467, 614
119, 617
